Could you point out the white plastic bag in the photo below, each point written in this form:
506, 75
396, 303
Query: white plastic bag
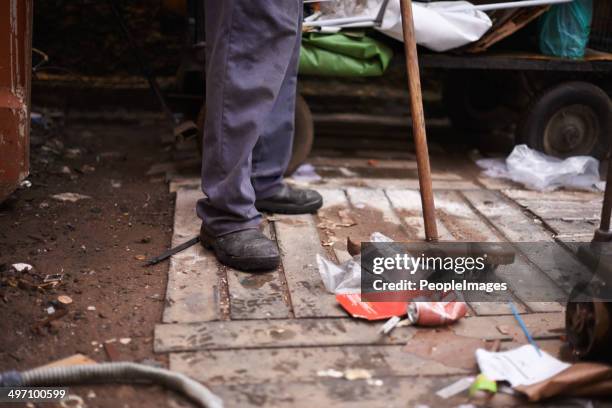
346, 277
435, 26
539, 171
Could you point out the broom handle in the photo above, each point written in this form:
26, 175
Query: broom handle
418, 122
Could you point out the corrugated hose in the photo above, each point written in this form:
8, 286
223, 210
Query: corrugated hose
113, 373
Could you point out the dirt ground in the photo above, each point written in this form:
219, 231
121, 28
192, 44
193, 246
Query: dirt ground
97, 245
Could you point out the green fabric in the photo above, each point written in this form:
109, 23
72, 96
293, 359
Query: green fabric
343, 55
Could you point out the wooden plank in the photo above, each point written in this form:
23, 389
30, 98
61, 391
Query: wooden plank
193, 282
319, 161
540, 325
257, 295
378, 183
465, 225
299, 245
526, 280
389, 392
560, 195
319, 332
335, 200
507, 218
285, 365
407, 203
564, 210
274, 333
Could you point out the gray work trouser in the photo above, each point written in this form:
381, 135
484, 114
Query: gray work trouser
252, 53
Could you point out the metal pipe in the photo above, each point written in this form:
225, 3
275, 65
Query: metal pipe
418, 122
336, 21
512, 4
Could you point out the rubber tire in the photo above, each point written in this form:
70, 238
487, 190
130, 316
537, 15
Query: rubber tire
542, 109
458, 93
302, 139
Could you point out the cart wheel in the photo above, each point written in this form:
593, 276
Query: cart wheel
474, 101
571, 119
302, 139
303, 135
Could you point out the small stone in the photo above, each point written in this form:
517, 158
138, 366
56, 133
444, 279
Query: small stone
64, 299
91, 308
125, 340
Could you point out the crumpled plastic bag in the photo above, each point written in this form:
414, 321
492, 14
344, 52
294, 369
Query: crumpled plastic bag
565, 29
538, 171
346, 277
436, 26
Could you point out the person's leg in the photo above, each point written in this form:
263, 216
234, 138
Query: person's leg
250, 49
272, 152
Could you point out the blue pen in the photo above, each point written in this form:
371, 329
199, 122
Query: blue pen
521, 323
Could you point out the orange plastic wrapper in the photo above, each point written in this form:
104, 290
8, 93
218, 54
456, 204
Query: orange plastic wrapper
352, 303
436, 313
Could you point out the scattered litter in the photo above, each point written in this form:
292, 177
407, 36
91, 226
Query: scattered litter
91, 394
125, 340
71, 197
582, 379
353, 374
72, 401
86, 168
64, 299
346, 172
445, 347
72, 153
345, 218
539, 171
376, 382
22, 267
389, 325
482, 384
92, 308
306, 173
344, 278
523, 326
435, 313
351, 302
116, 184
455, 388
330, 373
50, 310
140, 257
53, 278
25, 184
521, 366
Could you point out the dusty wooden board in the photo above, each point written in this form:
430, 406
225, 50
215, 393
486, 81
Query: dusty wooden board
564, 210
466, 225
507, 218
334, 200
560, 195
259, 295
573, 231
299, 245
407, 203
360, 162
285, 365
526, 280
318, 332
192, 292
390, 392
496, 183
378, 183
540, 325
274, 333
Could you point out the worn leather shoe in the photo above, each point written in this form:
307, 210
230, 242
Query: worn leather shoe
247, 250
291, 200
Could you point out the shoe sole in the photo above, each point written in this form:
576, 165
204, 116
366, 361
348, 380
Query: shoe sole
248, 264
294, 209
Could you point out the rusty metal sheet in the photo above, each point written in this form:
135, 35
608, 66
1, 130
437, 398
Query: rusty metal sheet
15, 76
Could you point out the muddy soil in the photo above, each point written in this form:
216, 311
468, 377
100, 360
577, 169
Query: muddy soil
97, 246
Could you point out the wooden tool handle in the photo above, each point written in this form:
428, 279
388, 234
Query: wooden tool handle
418, 122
